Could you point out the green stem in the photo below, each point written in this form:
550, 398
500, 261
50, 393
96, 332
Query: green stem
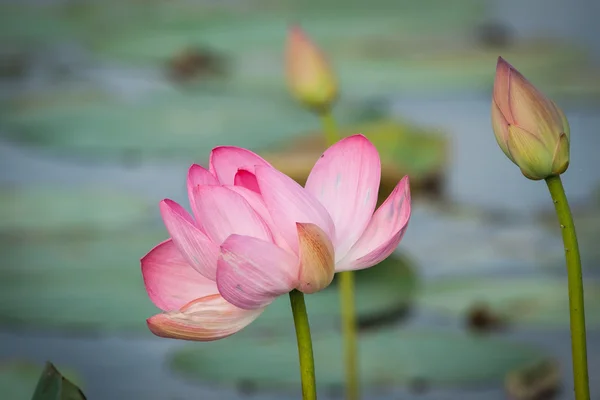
329, 128
346, 284
349, 334
305, 350
576, 304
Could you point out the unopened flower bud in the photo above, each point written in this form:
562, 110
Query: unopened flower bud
530, 128
310, 79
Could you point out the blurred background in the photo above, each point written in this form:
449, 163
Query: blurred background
104, 105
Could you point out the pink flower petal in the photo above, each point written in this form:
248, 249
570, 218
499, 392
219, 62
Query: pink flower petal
197, 249
258, 205
251, 272
501, 92
222, 212
204, 319
170, 280
289, 203
384, 232
226, 160
346, 181
246, 179
198, 176
317, 263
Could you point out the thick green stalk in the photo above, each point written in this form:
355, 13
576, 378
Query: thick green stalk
346, 285
305, 350
575, 282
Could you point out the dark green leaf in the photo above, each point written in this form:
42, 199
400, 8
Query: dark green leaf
53, 386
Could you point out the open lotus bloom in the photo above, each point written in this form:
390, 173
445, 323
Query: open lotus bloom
255, 234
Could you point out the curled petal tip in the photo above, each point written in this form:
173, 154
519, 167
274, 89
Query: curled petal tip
317, 259
205, 319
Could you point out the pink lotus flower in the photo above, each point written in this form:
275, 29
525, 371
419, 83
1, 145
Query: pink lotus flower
256, 234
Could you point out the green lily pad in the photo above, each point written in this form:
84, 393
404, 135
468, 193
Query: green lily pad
383, 293
45, 210
414, 150
28, 23
18, 379
387, 358
76, 284
422, 48
82, 284
165, 124
264, 29
405, 149
34, 24
536, 301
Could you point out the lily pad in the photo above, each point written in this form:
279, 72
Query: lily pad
166, 124
374, 52
96, 285
539, 301
76, 284
384, 293
44, 210
387, 358
18, 379
263, 26
405, 149
29, 23
36, 23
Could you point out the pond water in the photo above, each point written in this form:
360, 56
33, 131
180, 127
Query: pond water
489, 228
442, 244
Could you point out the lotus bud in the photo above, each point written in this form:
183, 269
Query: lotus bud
309, 77
317, 261
529, 128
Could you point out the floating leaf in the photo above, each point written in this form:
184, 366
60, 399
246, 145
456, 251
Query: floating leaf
333, 23
77, 283
387, 358
18, 379
420, 49
165, 124
29, 23
536, 301
97, 285
45, 210
383, 294
404, 149
53, 386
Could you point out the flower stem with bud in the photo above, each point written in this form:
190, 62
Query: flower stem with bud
575, 282
346, 288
